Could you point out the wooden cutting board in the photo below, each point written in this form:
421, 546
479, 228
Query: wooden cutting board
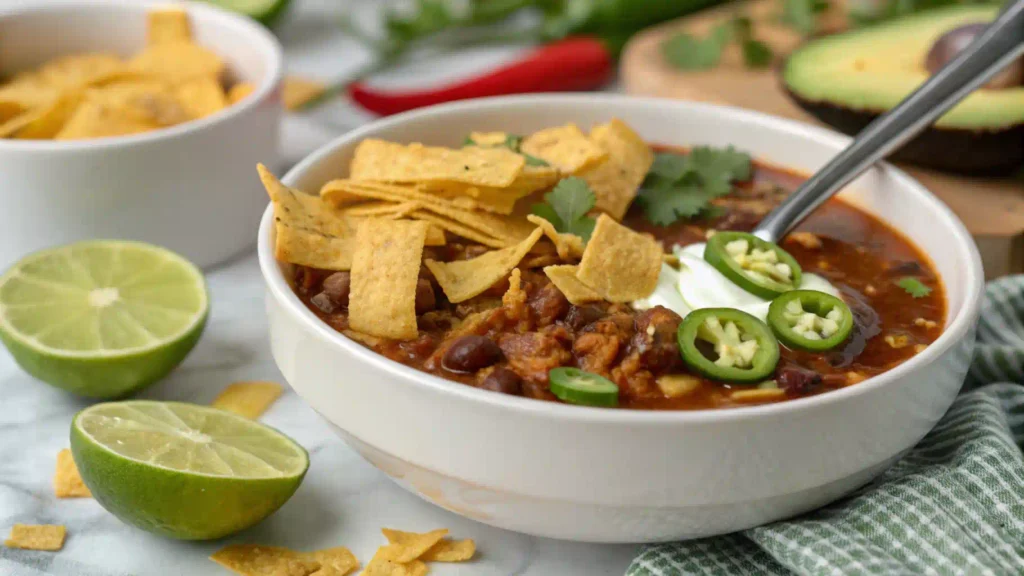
992, 209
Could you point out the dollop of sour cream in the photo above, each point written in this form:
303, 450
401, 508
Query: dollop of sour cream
698, 284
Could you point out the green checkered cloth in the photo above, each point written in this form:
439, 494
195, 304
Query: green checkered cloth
954, 505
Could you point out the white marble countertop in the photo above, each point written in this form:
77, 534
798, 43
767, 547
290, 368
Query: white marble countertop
343, 500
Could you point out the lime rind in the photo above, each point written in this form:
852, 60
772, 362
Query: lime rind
251, 469
162, 291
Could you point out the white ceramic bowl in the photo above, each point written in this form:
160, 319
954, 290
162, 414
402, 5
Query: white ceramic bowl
603, 475
192, 188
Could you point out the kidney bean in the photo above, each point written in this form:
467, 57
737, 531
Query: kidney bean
503, 380
580, 316
336, 288
797, 379
470, 353
425, 300
548, 305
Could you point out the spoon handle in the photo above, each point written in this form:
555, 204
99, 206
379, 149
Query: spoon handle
999, 45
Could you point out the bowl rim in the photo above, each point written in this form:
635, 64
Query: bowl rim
258, 39
279, 288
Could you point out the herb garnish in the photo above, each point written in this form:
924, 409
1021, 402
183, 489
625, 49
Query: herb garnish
567, 206
513, 143
687, 52
679, 186
914, 287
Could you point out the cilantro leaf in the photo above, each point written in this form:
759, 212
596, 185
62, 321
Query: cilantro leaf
687, 52
757, 54
567, 206
719, 167
914, 287
513, 142
682, 186
533, 160
665, 204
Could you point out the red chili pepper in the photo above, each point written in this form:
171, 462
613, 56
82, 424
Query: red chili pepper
578, 63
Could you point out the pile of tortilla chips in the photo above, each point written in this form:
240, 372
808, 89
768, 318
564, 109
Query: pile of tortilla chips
95, 95
399, 198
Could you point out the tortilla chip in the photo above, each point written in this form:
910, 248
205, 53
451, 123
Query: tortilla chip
48, 122
390, 162
385, 269
249, 399
539, 261
564, 147
450, 551
297, 92
464, 279
507, 228
311, 249
568, 246
564, 278
32, 537
67, 482
240, 92
146, 101
303, 211
29, 91
96, 120
489, 138
619, 264
257, 560
177, 62
165, 25
380, 566
11, 126
449, 225
616, 180
201, 96
79, 70
531, 179
345, 192
337, 561
381, 208
408, 546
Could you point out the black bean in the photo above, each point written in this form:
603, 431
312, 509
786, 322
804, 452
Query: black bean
797, 379
336, 287
549, 305
471, 353
580, 316
503, 380
425, 301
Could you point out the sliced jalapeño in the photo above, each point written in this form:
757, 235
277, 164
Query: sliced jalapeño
810, 320
738, 348
580, 387
758, 266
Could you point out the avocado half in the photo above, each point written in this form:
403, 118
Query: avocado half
849, 79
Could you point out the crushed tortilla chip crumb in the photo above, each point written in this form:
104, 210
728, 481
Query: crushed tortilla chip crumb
258, 560
450, 551
249, 399
297, 92
67, 482
37, 537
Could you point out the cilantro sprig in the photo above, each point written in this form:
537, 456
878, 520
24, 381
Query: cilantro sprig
567, 205
914, 287
679, 186
688, 52
513, 143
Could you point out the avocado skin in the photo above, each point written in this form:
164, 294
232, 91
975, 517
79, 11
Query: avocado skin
975, 152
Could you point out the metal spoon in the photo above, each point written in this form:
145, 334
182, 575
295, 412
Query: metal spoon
994, 49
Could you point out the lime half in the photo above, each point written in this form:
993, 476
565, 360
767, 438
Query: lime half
102, 318
265, 11
182, 470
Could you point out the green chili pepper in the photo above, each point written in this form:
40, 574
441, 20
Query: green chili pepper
810, 320
579, 387
744, 349
758, 266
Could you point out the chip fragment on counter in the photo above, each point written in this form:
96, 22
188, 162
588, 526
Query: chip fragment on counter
384, 161
249, 399
385, 269
464, 279
67, 482
37, 537
619, 264
564, 278
259, 560
408, 546
297, 92
337, 561
617, 178
564, 147
447, 550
